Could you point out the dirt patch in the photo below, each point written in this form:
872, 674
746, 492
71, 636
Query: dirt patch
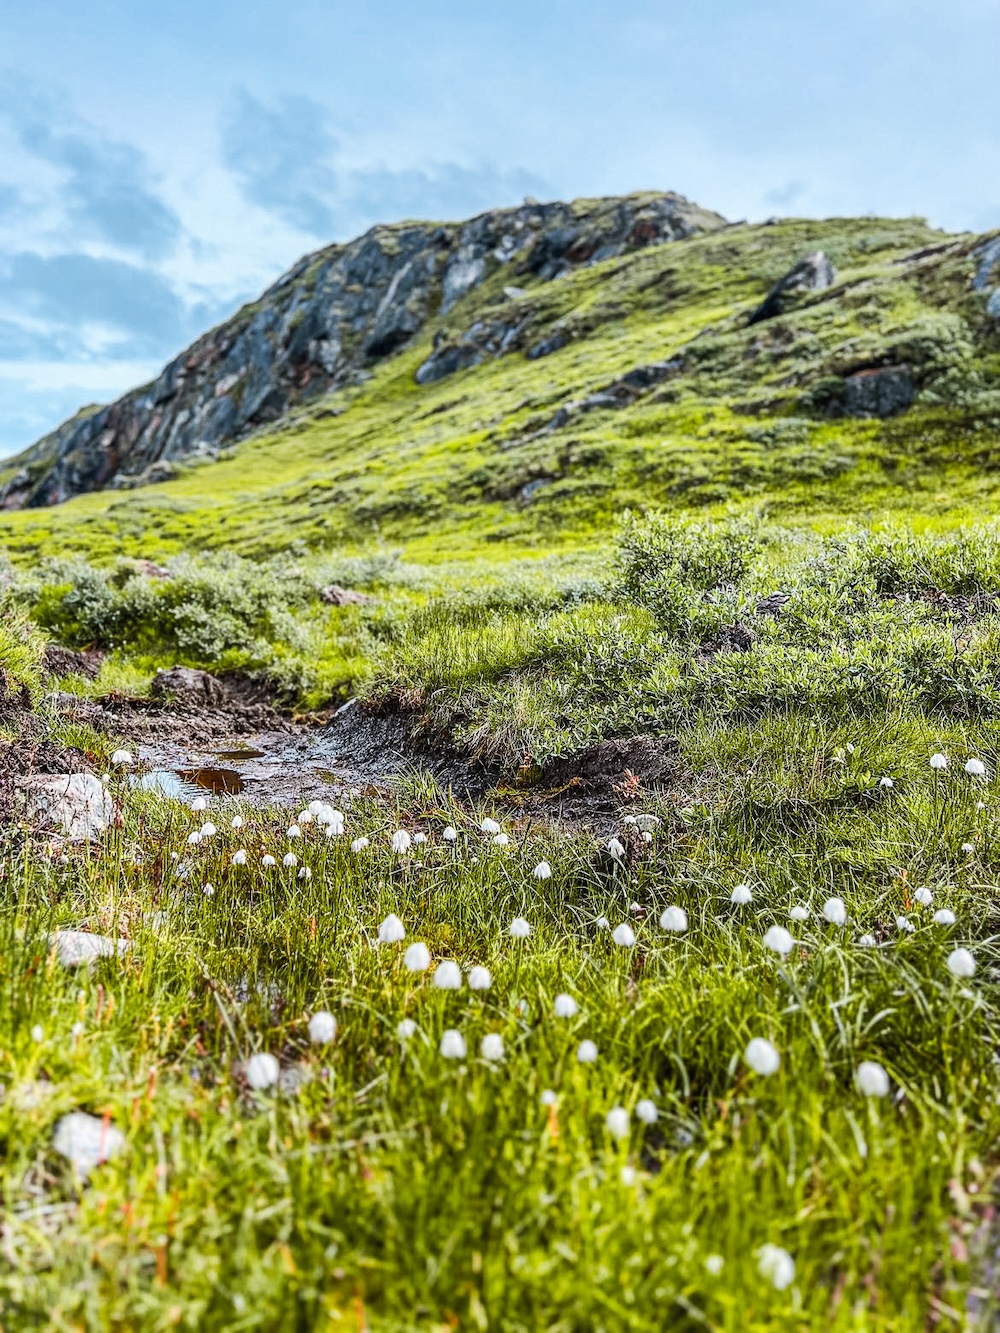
598, 783
59, 661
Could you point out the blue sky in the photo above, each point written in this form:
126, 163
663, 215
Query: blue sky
161, 163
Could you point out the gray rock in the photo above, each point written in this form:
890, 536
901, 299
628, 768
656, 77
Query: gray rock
813, 273
81, 948
188, 686
322, 325
993, 304
74, 805
86, 1141
880, 392
988, 257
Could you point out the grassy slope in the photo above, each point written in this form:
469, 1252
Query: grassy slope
399, 1190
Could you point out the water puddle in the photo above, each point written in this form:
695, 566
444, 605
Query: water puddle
245, 753
218, 780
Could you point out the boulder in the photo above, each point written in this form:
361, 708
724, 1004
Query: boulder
188, 687
81, 948
813, 273
74, 805
879, 392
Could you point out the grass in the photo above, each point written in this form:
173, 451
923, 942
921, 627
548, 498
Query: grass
384, 1186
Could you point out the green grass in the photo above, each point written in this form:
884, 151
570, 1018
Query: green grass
398, 1190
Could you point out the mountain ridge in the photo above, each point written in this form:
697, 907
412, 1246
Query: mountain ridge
321, 326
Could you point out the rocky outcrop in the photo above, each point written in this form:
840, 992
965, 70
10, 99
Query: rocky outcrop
323, 325
813, 273
880, 392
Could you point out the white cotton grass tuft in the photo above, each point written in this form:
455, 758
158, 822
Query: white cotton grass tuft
267, 861
542, 871
237, 823
779, 940
602, 923
905, 925
401, 842
762, 1056
391, 931
871, 1078
616, 849
450, 834
961, 964
741, 895
646, 1111
799, 913
359, 845
262, 1071
624, 936
564, 1006
289, 860
447, 976
586, 1052
500, 840
491, 1047
419, 839
674, 919
520, 928
628, 1174
480, 978
549, 1098
322, 1028
405, 1029
776, 1266
714, 1264
923, 897
452, 1044
239, 858
944, 916
867, 942
886, 782
208, 830
974, 767
648, 822
122, 759
417, 957
37, 1033
835, 911
968, 848
293, 831
305, 873
617, 1122
304, 817
490, 826
938, 762
194, 838
198, 804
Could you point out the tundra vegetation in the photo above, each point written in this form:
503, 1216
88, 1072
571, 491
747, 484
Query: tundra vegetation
724, 1058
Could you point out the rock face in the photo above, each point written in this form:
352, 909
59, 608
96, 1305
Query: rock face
320, 327
813, 273
879, 392
74, 805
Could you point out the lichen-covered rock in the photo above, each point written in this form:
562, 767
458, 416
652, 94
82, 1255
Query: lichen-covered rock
813, 273
322, 326
880, 392
74, 805
82, 948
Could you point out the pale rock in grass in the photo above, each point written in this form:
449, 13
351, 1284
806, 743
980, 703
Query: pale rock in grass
79, 948
74, 805
86, 1141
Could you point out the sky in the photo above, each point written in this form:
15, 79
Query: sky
162, 163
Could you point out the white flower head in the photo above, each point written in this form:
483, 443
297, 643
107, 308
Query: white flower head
262, 1071
198, 804
602, 923
835, 911
674, 919
762, 1056
542, 871
564, 1006
905, 925
37, 1033
194, 838
628, 1174
500, 840
799, 913
779, 940
490, 826
293, 831
549, 1098
401, 842
316, 808
237, 823
448, 976
624, 936
208, 830
617, 1122
239, 858
419, 839
616, 849
961, 963
776, 1266
886, 782
452, 1044
305, 817
974, 767
305, 873
867, 942
968, 848
405, 1029
322, 1028
208, 890
647, 822
938, 762
714, 1264
923, 896
944, 916
450, 834
122, 759
586, 1052
391, 931
359, 844
480, 978
268, 861
520, 928
417, 957
646, 1111
872, 1080
289, 860
741, 895
491, 1047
